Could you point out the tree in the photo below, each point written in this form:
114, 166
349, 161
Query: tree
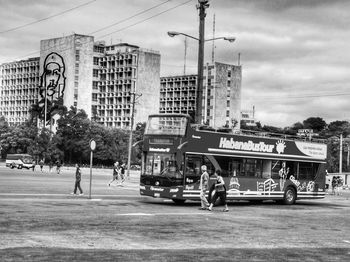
138, 137
315, 123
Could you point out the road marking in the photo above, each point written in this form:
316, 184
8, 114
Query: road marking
346, 241
135, 214
72, 196
165, 214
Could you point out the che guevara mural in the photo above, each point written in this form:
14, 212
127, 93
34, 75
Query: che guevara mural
52, 85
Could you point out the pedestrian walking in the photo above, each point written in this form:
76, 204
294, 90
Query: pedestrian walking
77, 180
122, 172
41, 164
339, 185
220, 191
50, 166
328, 182
33, 165
203, 187
58, 167
334, 184
116, 171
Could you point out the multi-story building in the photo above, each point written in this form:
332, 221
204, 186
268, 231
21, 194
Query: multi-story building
221, 100
19, 83
126, 75
100, 79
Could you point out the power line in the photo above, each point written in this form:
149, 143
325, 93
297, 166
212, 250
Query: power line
37, 52
141, 21
46, 18
130, 17
297, 96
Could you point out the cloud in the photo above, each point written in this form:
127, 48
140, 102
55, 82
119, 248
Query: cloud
289, 50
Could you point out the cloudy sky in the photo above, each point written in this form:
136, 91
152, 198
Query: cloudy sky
294, 53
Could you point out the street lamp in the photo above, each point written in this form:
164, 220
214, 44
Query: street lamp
198, 117
202, 5
174, 33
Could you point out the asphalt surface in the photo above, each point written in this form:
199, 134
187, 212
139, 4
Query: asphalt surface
40, 220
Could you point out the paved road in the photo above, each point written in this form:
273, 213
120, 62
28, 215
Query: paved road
39, 218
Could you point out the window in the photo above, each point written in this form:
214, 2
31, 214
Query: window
228, 103
77, 55
307, 171
96, 60
95, 73
193, 167
229, 83
208, 102
94, 97
229, 73
227, 113
162, 165
252, 168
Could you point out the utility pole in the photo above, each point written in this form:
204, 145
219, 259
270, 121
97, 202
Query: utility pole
203, 4
341, 154
213, 46
130, 135
185, 55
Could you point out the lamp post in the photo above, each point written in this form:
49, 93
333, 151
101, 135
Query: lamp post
198, 117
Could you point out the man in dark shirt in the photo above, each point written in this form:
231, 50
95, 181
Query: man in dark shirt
77, 180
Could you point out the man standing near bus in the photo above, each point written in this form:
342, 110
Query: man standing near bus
203, 186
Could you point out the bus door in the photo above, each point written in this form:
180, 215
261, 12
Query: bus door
193, 170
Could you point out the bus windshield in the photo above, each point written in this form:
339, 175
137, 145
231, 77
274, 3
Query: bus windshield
162, 164
166, 125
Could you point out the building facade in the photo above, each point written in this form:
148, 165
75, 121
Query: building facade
126, 76
221, 100
19, 83
103, 80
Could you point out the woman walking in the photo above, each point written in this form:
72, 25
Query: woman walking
220, 191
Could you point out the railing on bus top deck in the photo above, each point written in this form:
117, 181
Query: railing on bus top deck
244, 132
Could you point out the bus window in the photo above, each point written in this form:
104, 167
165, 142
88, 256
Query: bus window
266, 169
210, 166
275, 168
292, 168
253, 167
235, 167
162, 165
193, 165
307, 171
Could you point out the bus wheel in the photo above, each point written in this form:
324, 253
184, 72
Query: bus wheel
289, 196
178, 201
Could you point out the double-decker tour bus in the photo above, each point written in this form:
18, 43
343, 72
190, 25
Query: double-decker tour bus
254, 167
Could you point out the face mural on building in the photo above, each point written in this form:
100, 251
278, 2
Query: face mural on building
52, 84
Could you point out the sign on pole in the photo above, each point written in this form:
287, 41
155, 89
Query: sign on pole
92, 147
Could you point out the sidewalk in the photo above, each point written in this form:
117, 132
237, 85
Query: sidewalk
134, 174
